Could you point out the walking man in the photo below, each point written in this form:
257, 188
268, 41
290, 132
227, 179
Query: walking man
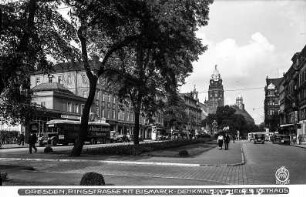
226, 141
32, 142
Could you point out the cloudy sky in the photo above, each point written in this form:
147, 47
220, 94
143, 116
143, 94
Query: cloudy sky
248, 40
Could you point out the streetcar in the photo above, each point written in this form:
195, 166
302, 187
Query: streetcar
61, 131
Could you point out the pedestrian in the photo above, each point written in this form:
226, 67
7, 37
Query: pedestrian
32, 142
21, 139
220, 141
294, 139
300, 139
234, 137
226, 141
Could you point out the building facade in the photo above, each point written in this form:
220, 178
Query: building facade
271, 103
215, 92
301, 91
194, 112
292, 98
106, 104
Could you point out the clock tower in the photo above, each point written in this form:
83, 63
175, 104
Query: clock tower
215, 92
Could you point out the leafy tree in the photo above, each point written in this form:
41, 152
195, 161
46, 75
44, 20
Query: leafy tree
261, 126
226, 116
103, 28
174, 112
128, 37
162, 57
30, 32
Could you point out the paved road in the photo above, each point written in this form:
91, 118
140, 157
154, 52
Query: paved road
261, 164
264, 159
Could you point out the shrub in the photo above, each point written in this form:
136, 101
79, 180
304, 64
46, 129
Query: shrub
48, 149
183, 153
92, 178
3, 176
130, 149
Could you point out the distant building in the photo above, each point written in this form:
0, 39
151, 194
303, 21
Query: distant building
240, 109
271, 103
215, 92
193, 110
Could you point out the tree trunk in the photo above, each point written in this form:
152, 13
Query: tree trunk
137, 126
83, 132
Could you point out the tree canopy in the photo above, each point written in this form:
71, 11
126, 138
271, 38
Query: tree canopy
226, 117
149, 46
32, 33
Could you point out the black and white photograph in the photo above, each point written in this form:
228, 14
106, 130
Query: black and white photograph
152, 97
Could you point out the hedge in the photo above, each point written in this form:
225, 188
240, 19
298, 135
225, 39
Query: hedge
131, 149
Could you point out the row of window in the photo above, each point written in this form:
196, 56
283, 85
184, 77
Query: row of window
272, 112
75, 108
302, 77
302, 94
273, 102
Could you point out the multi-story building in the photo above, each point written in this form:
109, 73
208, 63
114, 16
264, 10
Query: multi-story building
215, 92
194, 112
292, 97
106, 105
271, 103
301, 94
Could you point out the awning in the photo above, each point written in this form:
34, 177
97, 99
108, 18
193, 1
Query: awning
286, 125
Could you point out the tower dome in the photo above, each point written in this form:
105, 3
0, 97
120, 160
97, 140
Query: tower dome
216, 75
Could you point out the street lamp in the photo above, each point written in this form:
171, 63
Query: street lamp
214, 127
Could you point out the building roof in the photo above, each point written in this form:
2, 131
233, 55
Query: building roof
274, 81
65, 67
216, 74
244, 113
51, 87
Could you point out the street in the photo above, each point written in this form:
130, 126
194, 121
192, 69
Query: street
212, 167
264, 159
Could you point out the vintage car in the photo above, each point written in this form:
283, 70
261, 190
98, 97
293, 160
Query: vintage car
259, 138
280, 139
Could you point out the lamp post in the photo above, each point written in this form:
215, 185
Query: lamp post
214, 127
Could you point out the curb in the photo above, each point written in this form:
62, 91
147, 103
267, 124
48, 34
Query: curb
104, 161
299, 146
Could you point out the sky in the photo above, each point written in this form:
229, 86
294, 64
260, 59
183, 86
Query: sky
249, 40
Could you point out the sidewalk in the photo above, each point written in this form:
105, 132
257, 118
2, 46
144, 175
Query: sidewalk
7, 146
299, 145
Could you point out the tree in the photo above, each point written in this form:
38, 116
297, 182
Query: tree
30, 32
175, 112
226, 117
156, 63
128, 37
104, 27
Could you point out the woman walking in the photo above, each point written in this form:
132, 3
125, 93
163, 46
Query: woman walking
220, 141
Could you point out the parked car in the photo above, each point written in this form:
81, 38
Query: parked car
123, 138
280, 139
259, 138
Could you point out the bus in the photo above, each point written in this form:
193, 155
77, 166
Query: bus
61, 131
